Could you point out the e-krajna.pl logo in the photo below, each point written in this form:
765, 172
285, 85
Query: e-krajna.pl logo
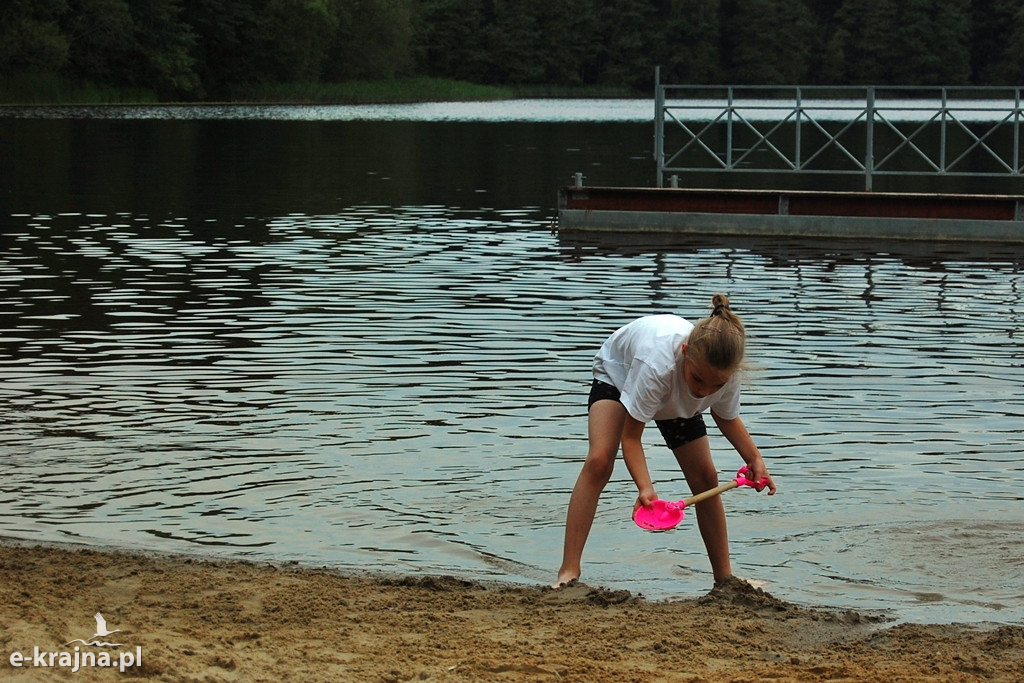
80, 658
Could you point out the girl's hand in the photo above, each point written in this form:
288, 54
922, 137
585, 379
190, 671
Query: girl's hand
645, 498
759, 473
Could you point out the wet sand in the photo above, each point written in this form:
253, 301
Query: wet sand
192, 619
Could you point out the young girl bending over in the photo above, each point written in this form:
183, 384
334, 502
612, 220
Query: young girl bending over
666, 369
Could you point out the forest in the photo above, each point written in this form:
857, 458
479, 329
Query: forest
201, 50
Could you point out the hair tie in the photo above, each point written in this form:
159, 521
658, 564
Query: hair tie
718, 310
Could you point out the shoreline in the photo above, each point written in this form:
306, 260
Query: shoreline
223, 620
407, 90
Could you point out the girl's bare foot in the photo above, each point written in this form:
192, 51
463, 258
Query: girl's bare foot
566, 579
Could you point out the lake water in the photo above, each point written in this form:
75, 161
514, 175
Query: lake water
358, 343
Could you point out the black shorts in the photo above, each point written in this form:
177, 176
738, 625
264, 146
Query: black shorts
677, 431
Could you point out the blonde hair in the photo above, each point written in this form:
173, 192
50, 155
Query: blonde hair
719, 339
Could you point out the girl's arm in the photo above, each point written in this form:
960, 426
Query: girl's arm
636, 461
736, 432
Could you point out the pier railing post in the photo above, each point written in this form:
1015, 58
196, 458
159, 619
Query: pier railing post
728, 131
799, 111
869, 139
659, 125
942, 132
1016, 131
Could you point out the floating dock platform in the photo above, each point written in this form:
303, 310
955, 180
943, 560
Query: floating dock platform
776, 213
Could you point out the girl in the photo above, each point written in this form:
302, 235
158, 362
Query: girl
664, 368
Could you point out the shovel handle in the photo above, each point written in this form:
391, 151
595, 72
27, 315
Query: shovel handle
740, 480
710, 493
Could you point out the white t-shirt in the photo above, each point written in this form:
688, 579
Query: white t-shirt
644, 361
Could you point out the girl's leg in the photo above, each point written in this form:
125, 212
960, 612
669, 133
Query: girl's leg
605, 433
694, 459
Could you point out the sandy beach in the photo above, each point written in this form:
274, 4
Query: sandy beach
189, 619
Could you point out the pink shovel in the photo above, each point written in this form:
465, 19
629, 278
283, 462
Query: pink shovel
664, 515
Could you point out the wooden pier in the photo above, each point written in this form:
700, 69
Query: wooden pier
861, 215
950, 137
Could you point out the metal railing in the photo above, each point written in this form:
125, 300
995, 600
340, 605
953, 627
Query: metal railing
866, 131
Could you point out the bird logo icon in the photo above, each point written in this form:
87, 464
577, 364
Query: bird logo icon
101, 627
101, 632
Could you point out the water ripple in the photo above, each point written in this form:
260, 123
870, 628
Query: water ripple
402, 388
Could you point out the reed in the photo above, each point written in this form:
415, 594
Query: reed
395, 91
44, 89
577, 92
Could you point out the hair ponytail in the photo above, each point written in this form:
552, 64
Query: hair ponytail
719, 339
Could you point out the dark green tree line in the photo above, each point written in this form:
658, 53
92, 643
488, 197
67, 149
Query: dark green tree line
208, 49
31, 39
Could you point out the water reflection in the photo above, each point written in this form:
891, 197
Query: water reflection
237, 173
401, 388
547, 110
